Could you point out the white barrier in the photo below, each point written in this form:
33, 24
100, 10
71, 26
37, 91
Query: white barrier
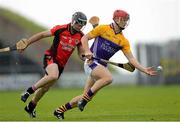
67, 80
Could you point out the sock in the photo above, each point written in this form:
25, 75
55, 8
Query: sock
88, 96
31, 106
31, 90
65, 107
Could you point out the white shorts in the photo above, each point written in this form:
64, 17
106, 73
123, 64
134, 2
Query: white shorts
89, 67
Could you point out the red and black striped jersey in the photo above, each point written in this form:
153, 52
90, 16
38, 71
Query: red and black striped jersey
64, 43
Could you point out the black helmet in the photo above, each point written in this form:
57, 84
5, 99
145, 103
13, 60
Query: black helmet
79, 18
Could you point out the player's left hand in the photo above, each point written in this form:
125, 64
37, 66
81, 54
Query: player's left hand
150, 71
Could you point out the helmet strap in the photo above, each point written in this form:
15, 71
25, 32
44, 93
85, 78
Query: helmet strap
120, 28
72, 29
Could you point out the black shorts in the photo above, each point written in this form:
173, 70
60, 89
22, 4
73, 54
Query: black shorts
48, 59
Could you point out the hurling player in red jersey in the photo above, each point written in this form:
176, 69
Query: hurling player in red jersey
66, 38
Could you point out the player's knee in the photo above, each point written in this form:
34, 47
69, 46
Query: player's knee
108, 80
53, 77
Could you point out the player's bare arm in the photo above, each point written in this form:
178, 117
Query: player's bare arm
24, 43
84, 41
39, 36
133, 61
80, 50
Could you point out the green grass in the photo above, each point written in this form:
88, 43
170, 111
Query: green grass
160, 103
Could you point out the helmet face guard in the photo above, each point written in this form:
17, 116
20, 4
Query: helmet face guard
122, 22
79, 20
121, 18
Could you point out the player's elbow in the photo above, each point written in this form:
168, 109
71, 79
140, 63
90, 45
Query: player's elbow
53, 77
133, 61
85, 38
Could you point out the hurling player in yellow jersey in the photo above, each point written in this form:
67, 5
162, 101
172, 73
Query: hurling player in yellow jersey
109, 39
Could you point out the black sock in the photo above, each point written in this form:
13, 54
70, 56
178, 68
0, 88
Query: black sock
31, 106
88, 96
90, 93
30, 90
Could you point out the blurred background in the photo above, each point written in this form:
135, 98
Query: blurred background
154, 35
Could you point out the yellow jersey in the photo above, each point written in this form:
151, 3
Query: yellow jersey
107, 42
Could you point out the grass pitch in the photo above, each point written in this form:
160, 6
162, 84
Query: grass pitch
160, 103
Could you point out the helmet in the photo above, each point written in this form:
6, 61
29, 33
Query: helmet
120, 13
79, 18
121, 18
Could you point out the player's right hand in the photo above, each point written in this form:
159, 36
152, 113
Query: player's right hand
22, 45
88, 55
